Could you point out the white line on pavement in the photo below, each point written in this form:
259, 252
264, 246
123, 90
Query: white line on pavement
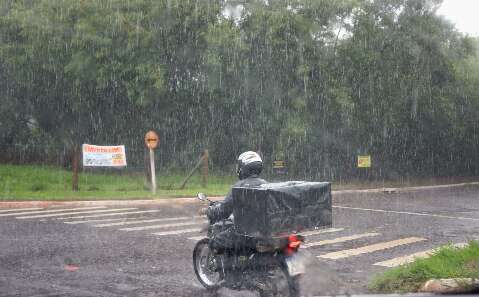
49, 211
176, 232
307, 233
142, 221
339, 239
410, 258
197, 238
160, 226
96, 221
408, 213
322, 231
75, 213
19, 209
110, 214
370, 248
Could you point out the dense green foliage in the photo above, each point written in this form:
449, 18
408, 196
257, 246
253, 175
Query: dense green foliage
447, 262
315, 82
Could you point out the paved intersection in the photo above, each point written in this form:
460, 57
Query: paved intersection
146, 250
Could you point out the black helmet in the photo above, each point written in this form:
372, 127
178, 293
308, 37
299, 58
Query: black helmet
249, 163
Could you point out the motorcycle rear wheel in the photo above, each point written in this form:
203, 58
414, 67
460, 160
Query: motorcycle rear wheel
206, 268
278, 283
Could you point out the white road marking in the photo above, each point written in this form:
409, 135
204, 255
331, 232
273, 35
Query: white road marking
142, 221
110, 214
307, 233
408, 213
321, 231
48, 211
75, 213
410, 258
197, 238
160, 226
19, 209
370, 248
175, 232
338, 240
96, 221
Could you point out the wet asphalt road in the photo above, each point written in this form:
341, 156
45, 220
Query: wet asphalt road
44, 256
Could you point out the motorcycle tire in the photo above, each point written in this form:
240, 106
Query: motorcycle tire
278, 283
203, 270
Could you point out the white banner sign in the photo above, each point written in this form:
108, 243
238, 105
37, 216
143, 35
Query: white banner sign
106, 156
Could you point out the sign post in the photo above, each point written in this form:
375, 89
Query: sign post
151, 140
153, 174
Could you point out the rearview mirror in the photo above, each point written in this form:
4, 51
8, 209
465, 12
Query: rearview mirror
202, 196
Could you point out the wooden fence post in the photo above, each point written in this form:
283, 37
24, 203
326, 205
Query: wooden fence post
75, 165
202, 161
204, 169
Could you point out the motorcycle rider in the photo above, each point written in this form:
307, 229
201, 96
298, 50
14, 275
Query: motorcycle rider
248, 168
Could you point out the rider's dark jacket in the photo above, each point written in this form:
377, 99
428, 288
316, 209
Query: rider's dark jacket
224, 209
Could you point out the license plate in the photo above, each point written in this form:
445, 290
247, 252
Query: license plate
295, 265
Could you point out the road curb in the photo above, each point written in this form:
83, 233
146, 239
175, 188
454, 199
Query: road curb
405, 189
450, 286
162, 201
45, 204
392, 295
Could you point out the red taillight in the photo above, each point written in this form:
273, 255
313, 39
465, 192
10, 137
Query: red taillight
294, 241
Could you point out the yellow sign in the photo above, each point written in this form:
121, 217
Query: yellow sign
278, 164
364, 161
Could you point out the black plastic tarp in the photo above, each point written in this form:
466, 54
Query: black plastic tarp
275, 208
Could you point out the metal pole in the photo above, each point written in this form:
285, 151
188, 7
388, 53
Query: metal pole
153, 175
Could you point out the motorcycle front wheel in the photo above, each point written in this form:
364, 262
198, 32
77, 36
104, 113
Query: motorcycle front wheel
207, 268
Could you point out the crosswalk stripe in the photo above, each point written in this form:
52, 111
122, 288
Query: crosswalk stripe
308, 233
109, 214
95, 221
175, 232
407, 213
19, 209
142, 221
370, 248
322, 231
160, 226
74, 213
49, 211
410, 258
196, 238
338, 240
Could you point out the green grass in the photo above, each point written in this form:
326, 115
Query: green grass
34, 182
447, 262
24, 182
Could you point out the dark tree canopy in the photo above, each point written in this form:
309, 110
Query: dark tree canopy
313, 82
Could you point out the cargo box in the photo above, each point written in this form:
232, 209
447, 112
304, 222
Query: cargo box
275, 208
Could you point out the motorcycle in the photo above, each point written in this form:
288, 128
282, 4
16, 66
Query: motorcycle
272, 266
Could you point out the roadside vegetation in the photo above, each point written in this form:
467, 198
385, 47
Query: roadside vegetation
36, 182
18, 182
312, 83
447, 262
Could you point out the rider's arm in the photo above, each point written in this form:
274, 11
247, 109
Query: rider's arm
221, 210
